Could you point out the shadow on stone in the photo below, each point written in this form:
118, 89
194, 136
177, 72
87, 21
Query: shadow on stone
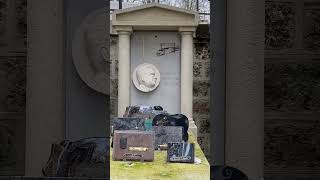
226, 173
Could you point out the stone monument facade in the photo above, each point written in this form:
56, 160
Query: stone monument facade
201, 84
161, 50
127, 23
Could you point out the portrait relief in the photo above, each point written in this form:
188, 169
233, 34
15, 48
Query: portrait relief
146, 77
90, 52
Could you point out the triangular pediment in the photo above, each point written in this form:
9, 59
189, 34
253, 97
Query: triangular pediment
155, 15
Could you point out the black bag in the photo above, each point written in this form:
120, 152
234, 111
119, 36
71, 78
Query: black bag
173, 120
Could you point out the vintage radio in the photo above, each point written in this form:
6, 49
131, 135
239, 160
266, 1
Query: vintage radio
165, 134
180, 152
127, 123
133, 145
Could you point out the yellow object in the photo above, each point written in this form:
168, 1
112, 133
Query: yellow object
138, 149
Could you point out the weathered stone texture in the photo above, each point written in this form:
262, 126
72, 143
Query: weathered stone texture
113, 106
13, 60
201, 88
203, 123
114, 75
21, 11
292, 90
3, 16
197, 67
207, 70
280, 25
200, 106
113, 48
114, 85
14, 84
311, 28
292, 143
292, 87
202, 51
114, 68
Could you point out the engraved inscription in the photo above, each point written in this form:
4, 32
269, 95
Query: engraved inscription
167, 48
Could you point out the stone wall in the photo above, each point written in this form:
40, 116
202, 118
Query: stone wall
201, 85
201, 88
13, 63
292, 90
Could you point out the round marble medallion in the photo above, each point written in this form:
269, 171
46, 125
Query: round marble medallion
90, 51
146, 77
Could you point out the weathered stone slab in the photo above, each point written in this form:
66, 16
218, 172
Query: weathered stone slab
143, 111
166, 134
127, 123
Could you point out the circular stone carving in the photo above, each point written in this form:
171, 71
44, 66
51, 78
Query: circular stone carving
146, 77
90, 51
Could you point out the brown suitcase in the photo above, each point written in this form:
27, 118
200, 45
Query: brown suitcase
133, 145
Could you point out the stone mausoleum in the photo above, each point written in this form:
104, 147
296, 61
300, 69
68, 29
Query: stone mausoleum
162, 37
198, 101
43, 97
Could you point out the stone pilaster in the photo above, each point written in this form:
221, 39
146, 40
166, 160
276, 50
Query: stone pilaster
187, 78
124, 70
